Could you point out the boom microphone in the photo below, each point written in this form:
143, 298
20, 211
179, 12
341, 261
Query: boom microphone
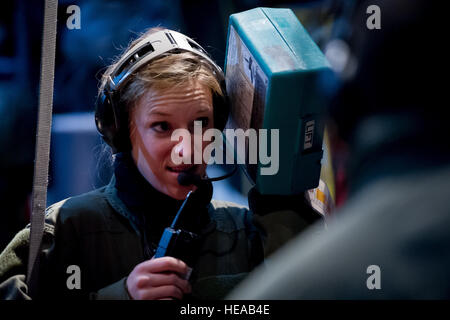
189, 178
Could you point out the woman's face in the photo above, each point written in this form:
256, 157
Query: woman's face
153, 119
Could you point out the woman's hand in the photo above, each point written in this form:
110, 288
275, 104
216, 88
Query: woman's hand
160, 278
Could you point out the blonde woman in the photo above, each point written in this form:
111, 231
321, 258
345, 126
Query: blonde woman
164, 81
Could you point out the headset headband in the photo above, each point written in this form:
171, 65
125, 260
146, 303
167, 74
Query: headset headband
150, 48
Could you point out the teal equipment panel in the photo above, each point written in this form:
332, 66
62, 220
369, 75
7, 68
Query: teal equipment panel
271, 69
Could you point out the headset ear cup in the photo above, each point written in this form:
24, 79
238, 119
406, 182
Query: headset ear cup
122, 137
221, 108
105, 120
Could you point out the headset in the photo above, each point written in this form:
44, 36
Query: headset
111, 118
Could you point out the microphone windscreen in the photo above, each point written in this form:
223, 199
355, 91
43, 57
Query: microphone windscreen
187, 179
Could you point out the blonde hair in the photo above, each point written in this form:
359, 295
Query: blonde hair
170, 70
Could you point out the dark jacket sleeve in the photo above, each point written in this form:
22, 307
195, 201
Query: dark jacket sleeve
52, 280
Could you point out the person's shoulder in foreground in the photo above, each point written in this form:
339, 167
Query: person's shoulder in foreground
379, 246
